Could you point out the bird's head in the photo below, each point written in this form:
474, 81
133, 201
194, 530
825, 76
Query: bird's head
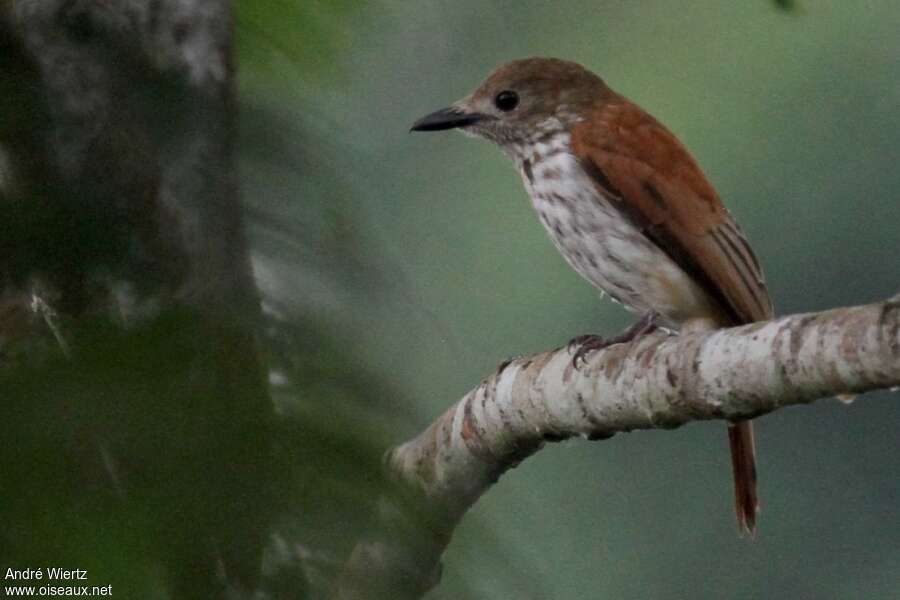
522, 102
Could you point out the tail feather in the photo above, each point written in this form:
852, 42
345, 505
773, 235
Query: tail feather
743, 466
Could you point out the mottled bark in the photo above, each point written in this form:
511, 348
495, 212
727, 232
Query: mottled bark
656, 382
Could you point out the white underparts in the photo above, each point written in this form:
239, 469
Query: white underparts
597, 240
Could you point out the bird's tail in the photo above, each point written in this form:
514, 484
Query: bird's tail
743, 466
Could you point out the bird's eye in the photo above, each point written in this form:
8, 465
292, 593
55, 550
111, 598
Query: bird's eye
507, 100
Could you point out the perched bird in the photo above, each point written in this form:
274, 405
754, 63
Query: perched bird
627, 206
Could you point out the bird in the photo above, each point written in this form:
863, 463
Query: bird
629, 209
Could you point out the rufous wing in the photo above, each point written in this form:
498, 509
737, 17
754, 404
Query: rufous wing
645, 171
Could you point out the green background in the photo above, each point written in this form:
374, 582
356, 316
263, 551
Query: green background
421, 257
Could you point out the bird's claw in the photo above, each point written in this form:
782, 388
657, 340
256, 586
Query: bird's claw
591, 343
586, 344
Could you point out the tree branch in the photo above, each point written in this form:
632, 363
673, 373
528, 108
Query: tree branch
656, 382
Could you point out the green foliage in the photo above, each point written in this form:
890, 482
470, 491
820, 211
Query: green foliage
303, 33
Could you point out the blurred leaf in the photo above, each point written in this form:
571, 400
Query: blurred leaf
786, 5
305, 33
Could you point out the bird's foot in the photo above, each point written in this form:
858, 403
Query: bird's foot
586, 344
591, 343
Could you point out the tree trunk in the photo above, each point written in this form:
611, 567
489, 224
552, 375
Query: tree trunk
128, 313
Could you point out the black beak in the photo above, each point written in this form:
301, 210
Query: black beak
447, 118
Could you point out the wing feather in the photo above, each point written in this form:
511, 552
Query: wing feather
656, 183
